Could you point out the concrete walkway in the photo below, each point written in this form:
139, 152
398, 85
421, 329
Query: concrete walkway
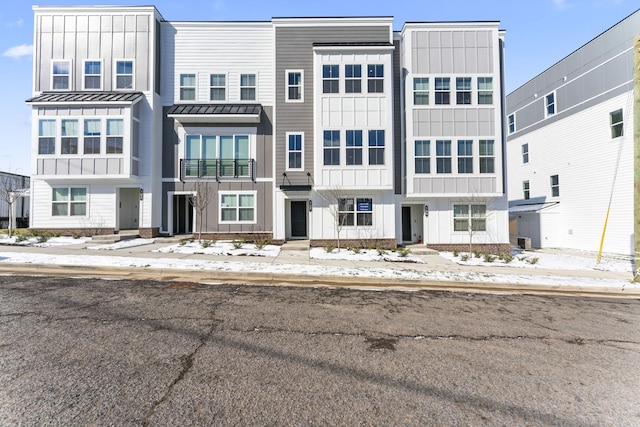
294, 254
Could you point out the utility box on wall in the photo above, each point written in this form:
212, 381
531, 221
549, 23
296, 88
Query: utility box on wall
524, 243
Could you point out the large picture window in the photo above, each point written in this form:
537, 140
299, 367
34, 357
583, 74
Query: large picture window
469, 217
47, 137
238, 207
422, 154
69, 201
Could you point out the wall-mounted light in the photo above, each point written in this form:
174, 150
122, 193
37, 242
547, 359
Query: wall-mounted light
426, 210
310, 205
141, 194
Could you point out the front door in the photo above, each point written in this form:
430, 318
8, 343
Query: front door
182, 214
299, 219
129, 211
406, 223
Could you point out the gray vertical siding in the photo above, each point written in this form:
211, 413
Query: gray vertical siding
294, 51
397, 119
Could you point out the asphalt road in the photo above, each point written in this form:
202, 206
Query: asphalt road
131, 353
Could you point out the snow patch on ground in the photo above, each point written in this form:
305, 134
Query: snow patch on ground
222, 248
122, 244
363, 255
35, 241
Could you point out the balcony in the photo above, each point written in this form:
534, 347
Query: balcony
218, 169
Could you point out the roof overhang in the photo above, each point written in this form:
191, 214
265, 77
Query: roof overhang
84, 98
216, 113
532, 207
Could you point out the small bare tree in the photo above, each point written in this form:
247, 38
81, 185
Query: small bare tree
477, 216
200, 201
10, 193
335, 198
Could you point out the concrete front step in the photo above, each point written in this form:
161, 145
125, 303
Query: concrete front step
295, 245
113, 238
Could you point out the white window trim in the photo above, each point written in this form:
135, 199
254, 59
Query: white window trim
226, 86
68, 215
416, 91
240, 87
301, 169
195, 87
84, 74
286, 85
469, 218
355, 210
238, 193
68, 61
509, 131
115, 73
555, 105
56, 137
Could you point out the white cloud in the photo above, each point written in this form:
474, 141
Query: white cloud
18, 51
18, 23
562, 4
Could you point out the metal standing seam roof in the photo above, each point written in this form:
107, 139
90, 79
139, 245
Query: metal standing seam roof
104, 96
215, 109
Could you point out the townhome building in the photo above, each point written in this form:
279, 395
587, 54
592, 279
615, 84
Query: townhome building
332, 130
571, 148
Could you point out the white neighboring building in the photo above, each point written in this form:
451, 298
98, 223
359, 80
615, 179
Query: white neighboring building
570, 148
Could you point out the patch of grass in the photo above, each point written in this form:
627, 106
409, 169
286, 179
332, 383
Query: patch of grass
381, 251
403, 252
464, 257
206, 243
329, 247
261, 241
356, 250
456, 253
533, 260
477, 254
489, 258
237, 244
507, 258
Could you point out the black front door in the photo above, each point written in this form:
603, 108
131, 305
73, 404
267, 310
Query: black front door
182, 215
299, 219
406, 223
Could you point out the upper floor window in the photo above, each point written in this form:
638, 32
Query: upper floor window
375, 75
294, 151
376, 147
617, 123
92, 74
354, 147
124, 74
487, 156
555, 186
525, 190
550, 104
115, 136
330, 79
187, 87
47, 137
92, 131
463, 90
512, 123
465, 156
69, 137
248, 87
442, 88
218, 87
353, 78
443, 156
420, 91
61, 75
485, 90
294, 86
525, 153
331, 143
69, 201
422, 154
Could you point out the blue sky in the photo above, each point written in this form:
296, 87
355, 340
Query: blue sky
539, 33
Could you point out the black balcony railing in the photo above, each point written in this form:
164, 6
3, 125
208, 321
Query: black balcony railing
216, 168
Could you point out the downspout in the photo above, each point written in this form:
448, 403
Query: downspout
636, 157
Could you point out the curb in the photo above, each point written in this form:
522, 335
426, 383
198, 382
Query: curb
275, 279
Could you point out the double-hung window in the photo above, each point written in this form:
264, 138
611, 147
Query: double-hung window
91, 142
248, 87
69, 137
61, 75
375, 76
331, 143
525, 153
187, 87
330, 79
617, 123
47, 137
115, 136
218, 87
294, 86
69, 201
443, 156
124, 74
463, 90
485, 90
512, 123
442, 91
294, 151
353, 78
354, 147
238, 207
376, 147
550, 104
422, 154
465, 156
469, 218
555, 186
355, 211
525, 190
420, 91
487, 156
92, 74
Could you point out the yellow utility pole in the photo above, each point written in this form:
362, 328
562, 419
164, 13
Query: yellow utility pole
636, 157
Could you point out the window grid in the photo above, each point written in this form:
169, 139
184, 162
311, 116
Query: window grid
616, 121
218, 87
422, 155
465, 156
512, 123
92, 75
187, 87
487, 156
115, 136
238, 208
354, 147
124, 74
463, 90
47, 137
485, 90
376, 147
331, 143
442, 88
355, 211
294, 151
294, 86
330, 79
469, 218
375, 78
443, 156
525, 153
69, 137
69, 201
248, 87
525, 190
61, 75
353, 78
550, 104
92, 132
555, 186
420, 91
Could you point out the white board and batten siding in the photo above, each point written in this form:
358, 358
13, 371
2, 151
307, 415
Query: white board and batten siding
205, 48
592, 169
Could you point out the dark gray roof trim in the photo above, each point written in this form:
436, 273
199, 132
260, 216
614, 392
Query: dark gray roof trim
89, 97
318, 44
215, 109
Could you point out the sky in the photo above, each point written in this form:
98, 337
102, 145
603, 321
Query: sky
539, 33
